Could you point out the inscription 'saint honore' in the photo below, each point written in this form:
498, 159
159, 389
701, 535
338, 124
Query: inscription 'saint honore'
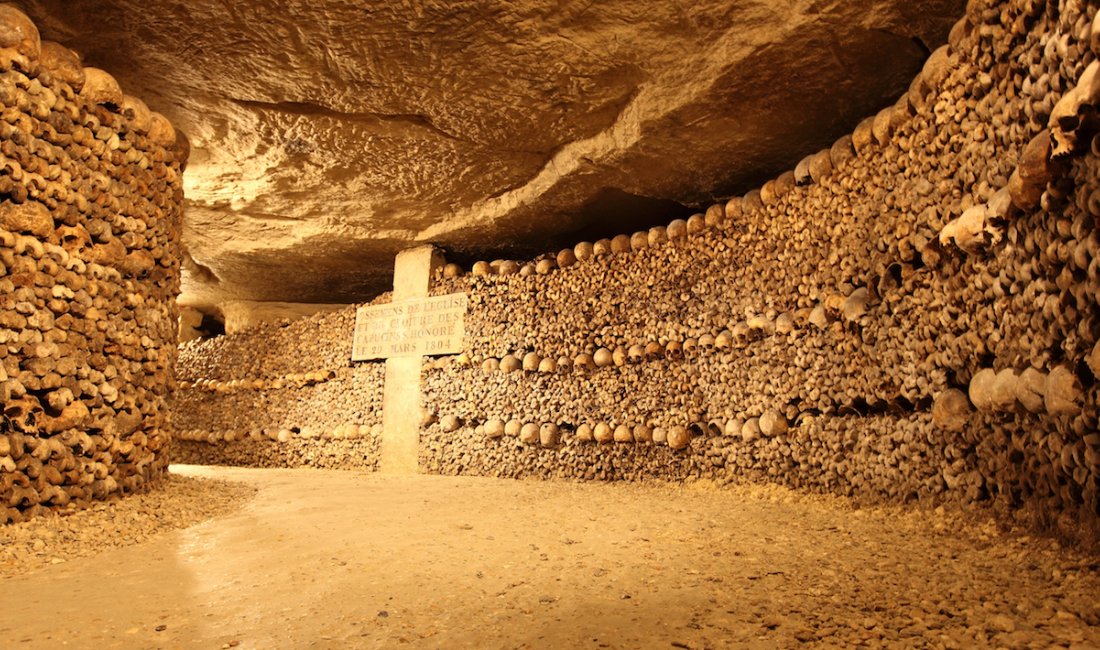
416, 327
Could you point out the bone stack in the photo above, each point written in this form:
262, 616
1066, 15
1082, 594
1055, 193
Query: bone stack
90, 195
243, 400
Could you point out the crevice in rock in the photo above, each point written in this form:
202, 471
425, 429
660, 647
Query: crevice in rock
613, 211
923, 46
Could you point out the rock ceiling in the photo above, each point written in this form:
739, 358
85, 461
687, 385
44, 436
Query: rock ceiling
328, 135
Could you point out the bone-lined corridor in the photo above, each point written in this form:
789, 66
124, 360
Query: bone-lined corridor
550, 325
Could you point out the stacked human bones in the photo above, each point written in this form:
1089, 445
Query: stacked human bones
243, 400
90, 195
909, 313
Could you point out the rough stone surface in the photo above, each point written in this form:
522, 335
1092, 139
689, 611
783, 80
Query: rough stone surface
328, 135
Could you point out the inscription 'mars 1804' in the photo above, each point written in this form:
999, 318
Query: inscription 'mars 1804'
417, 327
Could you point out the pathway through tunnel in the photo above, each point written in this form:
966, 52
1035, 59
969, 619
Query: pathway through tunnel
334, 559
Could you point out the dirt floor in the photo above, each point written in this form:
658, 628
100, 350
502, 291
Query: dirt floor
329, 559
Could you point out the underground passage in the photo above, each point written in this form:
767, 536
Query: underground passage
734, 324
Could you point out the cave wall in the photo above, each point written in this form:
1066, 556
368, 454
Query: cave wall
90, 211
910, 314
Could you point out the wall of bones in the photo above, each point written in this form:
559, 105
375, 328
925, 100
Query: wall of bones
911, 313
284, 394
90, 195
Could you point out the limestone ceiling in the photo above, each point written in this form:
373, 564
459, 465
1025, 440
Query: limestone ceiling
329, 134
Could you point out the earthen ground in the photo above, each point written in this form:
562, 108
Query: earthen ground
330, 559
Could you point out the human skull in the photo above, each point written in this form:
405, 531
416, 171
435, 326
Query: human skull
636, 354
20, 43
821, 165
784, 323
62, 63
603, 358
768, 194
583, 363
674, 350
1063, 392
981, 389
135, 110
566, 258
1003, 391
714, 216
494, 428
733, 208
1075, 113
973, 231
802, 174
549, 434
740, 334
162, 132
677, 229
724, 340
696, 223
706, 342
529, 433
101, 88
654, 351
951, 410
772, 423
1030, 386
73, 238
751, 430
761, 325
510, 363
23, 413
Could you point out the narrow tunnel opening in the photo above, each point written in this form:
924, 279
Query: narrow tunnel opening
614, 211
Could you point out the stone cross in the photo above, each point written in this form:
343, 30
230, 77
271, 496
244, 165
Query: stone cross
402, 333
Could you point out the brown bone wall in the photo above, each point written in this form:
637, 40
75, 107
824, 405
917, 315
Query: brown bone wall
90, 196
909, 314
281, 395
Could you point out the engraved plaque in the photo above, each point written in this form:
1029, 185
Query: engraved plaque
410, 328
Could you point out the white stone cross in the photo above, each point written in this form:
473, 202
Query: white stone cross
402, 332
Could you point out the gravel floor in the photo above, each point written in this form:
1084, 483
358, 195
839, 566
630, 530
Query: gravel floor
329, 559
181, 501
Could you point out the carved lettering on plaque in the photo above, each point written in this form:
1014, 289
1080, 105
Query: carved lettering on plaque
410, 328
